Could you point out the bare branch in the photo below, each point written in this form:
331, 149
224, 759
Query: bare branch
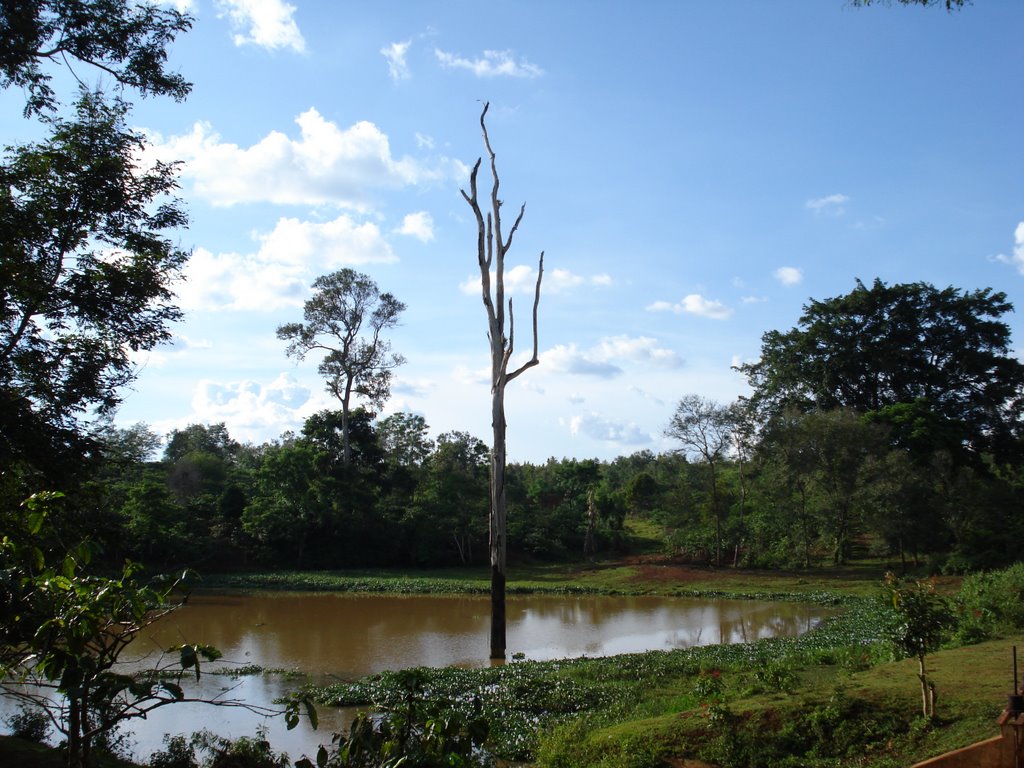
515, 226
535, 360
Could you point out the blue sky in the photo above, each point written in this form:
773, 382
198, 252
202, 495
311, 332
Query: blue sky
694, 171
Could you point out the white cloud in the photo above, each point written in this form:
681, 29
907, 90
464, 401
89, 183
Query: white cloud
789, 275
754, 299
637, 349
412, 387
833, 205
266, 23
279, 273
694, 304
522, 279
395, 55
569, 359
606, 358
491, 64
419, 225
1017, 259
250, 409
598, 427
325, 165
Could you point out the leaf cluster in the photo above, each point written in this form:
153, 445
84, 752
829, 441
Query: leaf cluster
126, 40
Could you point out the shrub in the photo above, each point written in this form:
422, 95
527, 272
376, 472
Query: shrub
29, 724
178, 752
990, 604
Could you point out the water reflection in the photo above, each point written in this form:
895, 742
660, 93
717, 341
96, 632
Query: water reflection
338, 636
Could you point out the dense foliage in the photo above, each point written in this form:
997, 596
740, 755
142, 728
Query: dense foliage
887, 423
87, 232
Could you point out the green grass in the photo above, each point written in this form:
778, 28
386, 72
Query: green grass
834, 716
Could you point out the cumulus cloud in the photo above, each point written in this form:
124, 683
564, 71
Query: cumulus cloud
266, 23
1017, 258
522, 279
491, 64
419, 225
606, 358
324, 165
694, 304
248, 408
395, 55
642, 349
596, 426
568, 358
280, 272
832, 205
789, 275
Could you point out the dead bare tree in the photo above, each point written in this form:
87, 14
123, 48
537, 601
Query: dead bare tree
491, 249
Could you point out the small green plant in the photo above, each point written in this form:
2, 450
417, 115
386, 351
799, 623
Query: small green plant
775, 674
415, 732
709, 690
924, 621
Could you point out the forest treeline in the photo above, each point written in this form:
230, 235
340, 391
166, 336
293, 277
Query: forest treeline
886, 423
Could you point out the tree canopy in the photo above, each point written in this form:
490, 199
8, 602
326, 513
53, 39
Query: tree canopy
125, 40
345, 320
934, 363
85, 276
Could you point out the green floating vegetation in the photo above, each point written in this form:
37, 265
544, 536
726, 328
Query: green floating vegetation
525, 699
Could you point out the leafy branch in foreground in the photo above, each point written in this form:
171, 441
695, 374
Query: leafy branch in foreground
63, 633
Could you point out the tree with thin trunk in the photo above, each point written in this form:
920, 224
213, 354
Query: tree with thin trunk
345, 319
705, 429
492, 246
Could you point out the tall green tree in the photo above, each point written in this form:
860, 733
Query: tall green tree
86, 251
201, 438
446, 514
403, 436
937, 365
86, 267
345, 321
705, 429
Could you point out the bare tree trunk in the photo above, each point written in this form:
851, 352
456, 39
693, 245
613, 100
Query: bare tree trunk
497, 524
491, 250
927, 689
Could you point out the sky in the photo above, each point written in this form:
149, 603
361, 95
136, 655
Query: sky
694, 173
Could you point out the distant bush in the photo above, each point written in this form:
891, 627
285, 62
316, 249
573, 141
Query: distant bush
990, 604
29, 724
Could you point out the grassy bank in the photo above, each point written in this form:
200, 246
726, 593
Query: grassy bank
637, 576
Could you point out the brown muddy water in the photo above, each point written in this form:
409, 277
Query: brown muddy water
332, 637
